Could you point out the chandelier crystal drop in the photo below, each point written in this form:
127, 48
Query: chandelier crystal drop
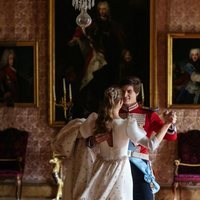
83, 19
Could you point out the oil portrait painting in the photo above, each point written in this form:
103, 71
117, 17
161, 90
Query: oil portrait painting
183, 70
85, 61
18, 74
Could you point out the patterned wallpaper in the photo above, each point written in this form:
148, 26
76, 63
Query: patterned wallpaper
22, 20
173, 16
27, 20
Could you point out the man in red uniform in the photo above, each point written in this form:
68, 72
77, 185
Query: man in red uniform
151, 123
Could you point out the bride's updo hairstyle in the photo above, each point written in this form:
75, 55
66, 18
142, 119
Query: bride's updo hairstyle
112, 96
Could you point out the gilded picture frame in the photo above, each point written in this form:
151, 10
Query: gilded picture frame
62, 24
19, 82
183, 70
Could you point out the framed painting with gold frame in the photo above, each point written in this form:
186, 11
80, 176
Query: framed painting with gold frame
183, 70
138, 21
19, 79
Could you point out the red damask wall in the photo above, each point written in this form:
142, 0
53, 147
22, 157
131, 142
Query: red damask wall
173, 16
27, 20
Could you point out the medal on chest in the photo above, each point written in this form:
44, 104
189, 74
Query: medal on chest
139, 117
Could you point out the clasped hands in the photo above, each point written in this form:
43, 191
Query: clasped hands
170, 117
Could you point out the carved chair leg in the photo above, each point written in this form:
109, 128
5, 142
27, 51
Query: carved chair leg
175, 186
180, 192
18, 187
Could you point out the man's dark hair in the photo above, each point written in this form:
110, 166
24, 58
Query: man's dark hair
133, 81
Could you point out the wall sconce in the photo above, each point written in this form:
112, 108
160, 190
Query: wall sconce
66, 105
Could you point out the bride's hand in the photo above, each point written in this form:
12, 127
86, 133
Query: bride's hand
102, 137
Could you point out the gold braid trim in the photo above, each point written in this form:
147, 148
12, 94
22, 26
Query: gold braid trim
177, 162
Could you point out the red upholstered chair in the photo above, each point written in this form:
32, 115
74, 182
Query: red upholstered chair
13, 143
187, 166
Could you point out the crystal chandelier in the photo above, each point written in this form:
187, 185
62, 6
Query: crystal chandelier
83, 19
79, 4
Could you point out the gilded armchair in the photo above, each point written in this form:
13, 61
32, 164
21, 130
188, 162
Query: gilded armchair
187, 166
13, 143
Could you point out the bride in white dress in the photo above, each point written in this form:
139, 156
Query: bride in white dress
111, 175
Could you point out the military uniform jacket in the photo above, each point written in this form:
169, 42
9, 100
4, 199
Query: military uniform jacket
149, 120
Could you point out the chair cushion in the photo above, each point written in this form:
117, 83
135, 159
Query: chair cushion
9, 173
187, 177
10, 169
189, 151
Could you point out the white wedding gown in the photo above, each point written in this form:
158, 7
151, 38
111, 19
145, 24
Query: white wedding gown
111, 175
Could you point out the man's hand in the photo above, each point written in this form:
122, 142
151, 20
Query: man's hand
73, 41
102, 137
98, 138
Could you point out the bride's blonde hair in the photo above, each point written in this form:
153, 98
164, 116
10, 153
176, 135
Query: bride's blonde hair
112, 96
